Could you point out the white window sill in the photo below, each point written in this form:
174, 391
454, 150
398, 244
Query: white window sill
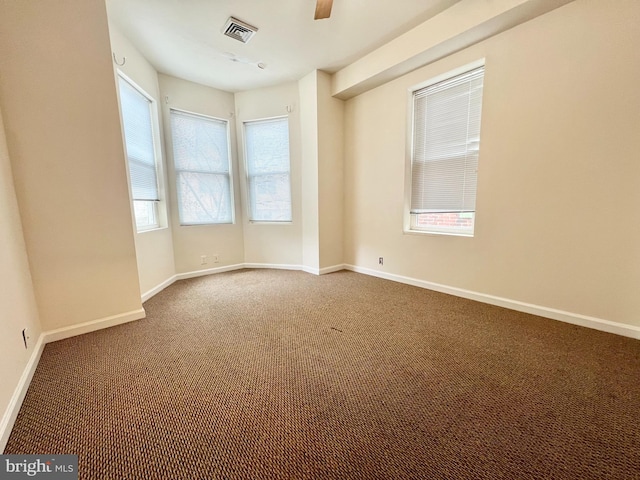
260, 222
187, 225
436, 233
154, 229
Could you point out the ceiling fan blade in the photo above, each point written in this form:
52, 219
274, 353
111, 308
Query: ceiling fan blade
323, 9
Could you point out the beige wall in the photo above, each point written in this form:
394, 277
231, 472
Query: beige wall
322, 125
308, 92
463, 24
63, 131
191, 242
18, 308
557, 169
557, 223
330, 173
154, 248
273, 243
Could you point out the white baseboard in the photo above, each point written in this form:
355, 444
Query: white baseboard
555, 314
322, 271
552, 313
331, 269
86, 327
238, 266
158, 288
274, 266
208, 271
11, 413
182, 276
304, 268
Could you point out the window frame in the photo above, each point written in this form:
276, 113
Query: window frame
248, 175
177, 170
410, 220
158, 206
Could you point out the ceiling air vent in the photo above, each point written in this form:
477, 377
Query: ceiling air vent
239, 30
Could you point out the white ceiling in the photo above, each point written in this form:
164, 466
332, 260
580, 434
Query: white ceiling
183, 38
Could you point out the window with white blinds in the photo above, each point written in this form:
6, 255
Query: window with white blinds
445, 150
203, 171
268, 170
141, 156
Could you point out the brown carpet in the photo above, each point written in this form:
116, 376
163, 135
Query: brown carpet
267, 374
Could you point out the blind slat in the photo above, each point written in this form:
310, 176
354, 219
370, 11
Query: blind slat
203, 175
268, 169
138, 133
446, 141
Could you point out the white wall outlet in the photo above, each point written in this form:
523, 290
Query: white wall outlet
380, 260
203, 259
215, 258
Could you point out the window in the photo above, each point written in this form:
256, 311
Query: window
141, 154
444, 154
268, 170
203, 173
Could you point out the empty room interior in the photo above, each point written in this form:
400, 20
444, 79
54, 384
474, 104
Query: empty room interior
391, 241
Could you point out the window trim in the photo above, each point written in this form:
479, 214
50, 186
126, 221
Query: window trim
177, 170
246, 173
160, 203
407, 216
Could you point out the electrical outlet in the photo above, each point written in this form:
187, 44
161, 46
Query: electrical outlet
25, 337
215, 258
380, 260
203, 259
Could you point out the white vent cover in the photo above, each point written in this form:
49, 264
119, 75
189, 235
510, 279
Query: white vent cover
239, 30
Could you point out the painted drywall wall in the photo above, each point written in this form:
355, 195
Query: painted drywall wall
18, 309
330, 173
154, 248
459, 26
321, 124
273, 243
308, 101
63, 132
191, 242
557, 184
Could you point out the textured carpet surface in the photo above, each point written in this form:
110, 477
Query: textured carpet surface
268, 374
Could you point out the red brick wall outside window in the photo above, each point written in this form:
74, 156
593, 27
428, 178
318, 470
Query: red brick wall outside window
459, 220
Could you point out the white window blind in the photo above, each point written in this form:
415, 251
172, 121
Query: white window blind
446, 140
203, 174
138, 132
268, 170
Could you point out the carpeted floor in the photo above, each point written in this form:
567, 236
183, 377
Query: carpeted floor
268, 374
